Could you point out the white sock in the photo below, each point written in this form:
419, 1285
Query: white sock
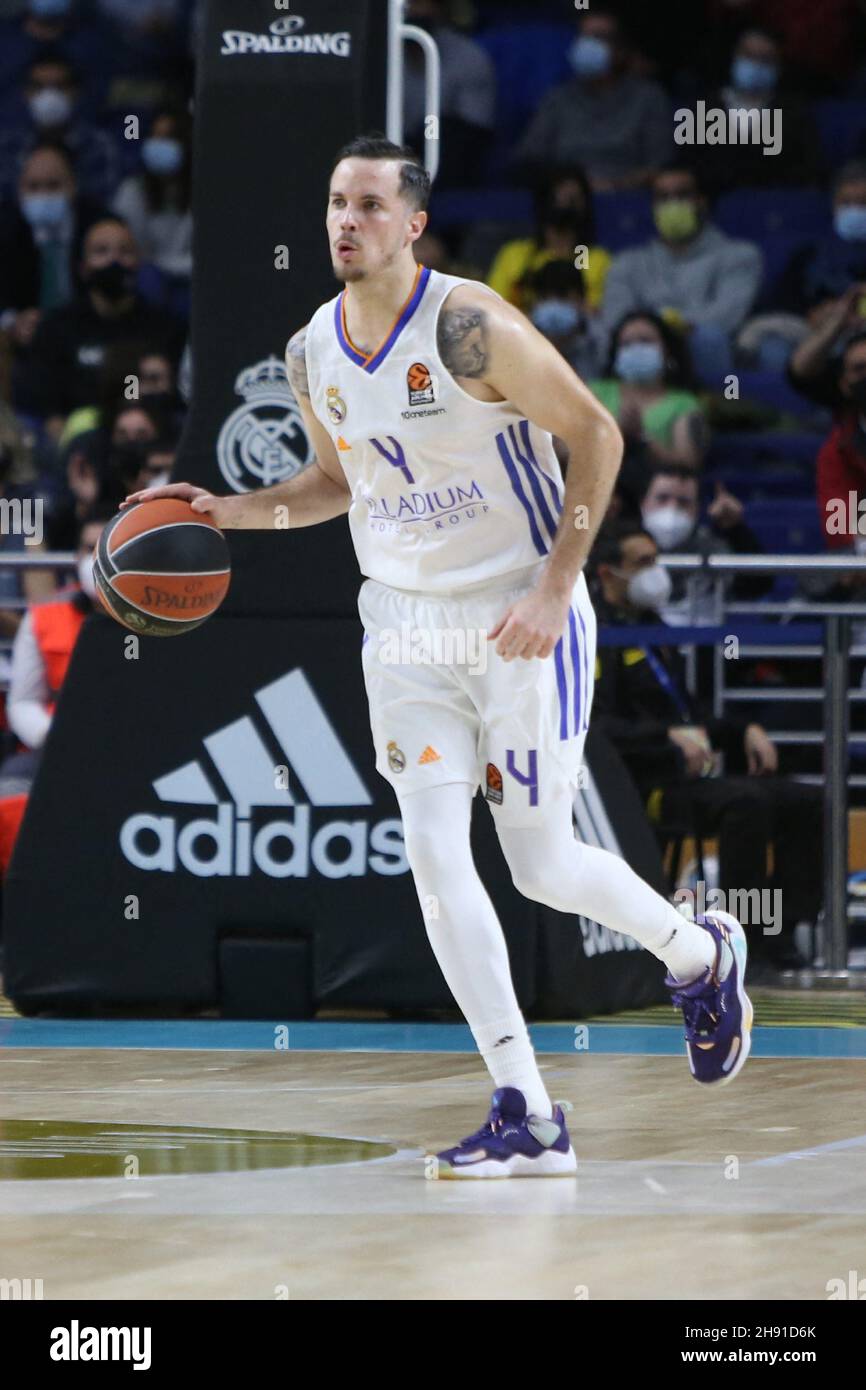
466, 935
505, 1046
550, 866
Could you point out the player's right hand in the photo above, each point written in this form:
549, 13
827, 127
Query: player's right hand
198, 497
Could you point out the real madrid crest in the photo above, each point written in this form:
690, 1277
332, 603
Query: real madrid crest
335, 406
396, 757
264, 441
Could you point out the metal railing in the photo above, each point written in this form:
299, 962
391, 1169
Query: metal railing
836, 736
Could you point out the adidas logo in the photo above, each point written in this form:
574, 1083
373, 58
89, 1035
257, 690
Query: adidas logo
239, 773
430, 755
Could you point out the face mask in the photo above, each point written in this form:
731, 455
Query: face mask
44, 209
639, 362
668, 526
751, 75
850, 222
85, 575
556, 318
114, 280
590, 57
676, 219
162, 156
649, 588
50, 106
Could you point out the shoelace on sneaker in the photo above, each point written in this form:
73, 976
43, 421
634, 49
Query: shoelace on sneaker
694, 1008
493, 1122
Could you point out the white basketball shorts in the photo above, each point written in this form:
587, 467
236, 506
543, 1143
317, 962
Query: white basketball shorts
445, 708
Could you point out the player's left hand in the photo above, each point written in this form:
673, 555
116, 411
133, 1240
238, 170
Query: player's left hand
530, 627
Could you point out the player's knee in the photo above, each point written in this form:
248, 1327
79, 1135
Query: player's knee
534, 881
430, 859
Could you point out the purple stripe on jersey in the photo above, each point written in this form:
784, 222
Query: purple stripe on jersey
358, 358
517, 488
404, 318
563, 693
540, 500
575, 662
585, 668
552, 485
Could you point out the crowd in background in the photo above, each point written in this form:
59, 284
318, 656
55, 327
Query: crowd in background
713, 296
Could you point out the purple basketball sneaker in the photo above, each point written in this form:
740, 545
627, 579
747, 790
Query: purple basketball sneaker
716, 1008
511, 1144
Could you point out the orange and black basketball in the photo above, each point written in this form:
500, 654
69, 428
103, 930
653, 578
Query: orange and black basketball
161, 568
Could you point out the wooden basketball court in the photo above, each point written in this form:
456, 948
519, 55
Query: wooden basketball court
754, 1191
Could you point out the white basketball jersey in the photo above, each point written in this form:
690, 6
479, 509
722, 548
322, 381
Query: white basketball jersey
447, 491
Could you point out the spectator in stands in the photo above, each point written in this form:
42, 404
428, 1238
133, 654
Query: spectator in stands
41, 653
130, 373
673, 747
559, 311
467, 95
818, 365
646, 387
692, 274
51, 29
70, 344
817, 40
671, 513
756, 83
38, 234
618, 126
157, 463
818, 276
565, 230
156, 203
52, 98
841, 478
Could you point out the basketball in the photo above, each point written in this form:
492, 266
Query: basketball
161, 568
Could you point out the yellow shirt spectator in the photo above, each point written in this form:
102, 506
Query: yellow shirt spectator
519, 259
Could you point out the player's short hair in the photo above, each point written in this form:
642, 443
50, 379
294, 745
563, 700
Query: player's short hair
414, 179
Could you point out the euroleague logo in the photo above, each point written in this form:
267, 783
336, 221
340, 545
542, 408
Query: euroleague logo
420, 385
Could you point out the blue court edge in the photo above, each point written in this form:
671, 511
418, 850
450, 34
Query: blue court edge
222, 1034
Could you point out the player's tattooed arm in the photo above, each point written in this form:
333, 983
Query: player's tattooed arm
296, 363
462, 337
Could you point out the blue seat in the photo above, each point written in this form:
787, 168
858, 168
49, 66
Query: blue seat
750, 484
787, 525
529, 57
623, 219
765, 447
841, 128
463, 206
761, 213
770, 388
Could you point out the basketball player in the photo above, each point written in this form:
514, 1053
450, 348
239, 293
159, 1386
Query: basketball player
431, 405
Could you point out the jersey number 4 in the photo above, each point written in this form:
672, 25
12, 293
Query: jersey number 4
397, 459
